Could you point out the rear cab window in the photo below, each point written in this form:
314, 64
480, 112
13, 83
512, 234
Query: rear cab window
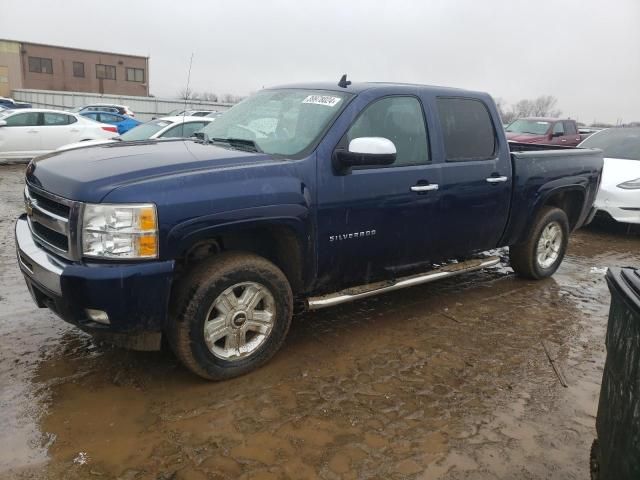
467, 129
570, 128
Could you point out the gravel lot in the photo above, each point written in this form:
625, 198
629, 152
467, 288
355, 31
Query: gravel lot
444, 381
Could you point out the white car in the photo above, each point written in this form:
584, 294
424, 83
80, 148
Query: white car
165, 127
619, 193
29, 132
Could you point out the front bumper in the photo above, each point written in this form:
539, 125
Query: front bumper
135, 296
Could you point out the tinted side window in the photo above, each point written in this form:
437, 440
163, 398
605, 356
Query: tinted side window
23, 120
183, 130
558, 128
51, 118
570, 128
467, 130
191, 128
400, 120
174, 132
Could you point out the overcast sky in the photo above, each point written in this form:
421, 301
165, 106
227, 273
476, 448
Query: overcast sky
584, 52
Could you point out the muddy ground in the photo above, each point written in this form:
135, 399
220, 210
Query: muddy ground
443, 381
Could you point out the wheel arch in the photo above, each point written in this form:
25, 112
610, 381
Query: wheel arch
282, 241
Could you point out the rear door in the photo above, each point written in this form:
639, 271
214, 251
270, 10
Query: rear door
21, 133
58, 129
475, 189
571, 135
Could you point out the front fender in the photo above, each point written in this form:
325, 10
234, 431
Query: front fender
186, 234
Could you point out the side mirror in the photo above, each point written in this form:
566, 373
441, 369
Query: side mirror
557, 134
365, 151
3, 123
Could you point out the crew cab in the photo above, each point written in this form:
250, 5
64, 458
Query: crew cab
303, 196
548, 131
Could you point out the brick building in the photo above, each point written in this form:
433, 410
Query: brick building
47, 67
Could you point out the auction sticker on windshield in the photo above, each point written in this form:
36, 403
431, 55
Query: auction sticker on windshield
327, 100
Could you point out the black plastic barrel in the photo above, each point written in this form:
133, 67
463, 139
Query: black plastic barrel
616, 452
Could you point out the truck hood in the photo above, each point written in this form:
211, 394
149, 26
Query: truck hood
89, 174
525, 137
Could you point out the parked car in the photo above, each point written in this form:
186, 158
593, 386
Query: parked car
26, 133
215, 114
166, 127
550, 131
107, 107
122, 122
10, 103
619, 192
294, 196
196, 113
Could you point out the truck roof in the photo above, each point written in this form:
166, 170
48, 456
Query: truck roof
359, 87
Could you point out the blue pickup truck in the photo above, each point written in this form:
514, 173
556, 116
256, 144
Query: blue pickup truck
304, 196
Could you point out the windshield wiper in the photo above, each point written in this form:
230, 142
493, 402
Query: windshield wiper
240, 143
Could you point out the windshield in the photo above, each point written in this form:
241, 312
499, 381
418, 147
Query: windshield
279, 122
616, 143
145, 131
534, 127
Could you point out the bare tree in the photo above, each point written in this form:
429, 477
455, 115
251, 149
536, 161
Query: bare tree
543, 106
187, 94
209, 96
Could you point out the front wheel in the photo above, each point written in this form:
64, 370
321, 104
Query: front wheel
230, 315
542, 252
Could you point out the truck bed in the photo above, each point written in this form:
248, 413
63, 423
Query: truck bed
540, 171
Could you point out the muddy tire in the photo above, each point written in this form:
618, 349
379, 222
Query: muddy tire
230, 315
542, 253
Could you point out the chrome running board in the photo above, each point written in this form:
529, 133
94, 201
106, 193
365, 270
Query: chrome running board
357, 293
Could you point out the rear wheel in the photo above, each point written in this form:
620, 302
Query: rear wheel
542, 253
230, 315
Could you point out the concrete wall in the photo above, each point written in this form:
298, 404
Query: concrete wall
10, 67
62, 77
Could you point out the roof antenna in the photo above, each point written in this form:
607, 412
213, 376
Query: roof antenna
186, 92
344, 83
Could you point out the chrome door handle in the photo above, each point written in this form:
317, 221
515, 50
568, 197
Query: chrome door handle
424, 188
563, 139
497, 179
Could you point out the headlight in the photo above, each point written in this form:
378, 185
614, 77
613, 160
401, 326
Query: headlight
120, 231
631, 184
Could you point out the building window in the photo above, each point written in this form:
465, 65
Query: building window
40, 65
135, 74
78, 69
106, 71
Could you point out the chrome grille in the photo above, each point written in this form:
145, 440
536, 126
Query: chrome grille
53, 221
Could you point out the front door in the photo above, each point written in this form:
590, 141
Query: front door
373, 220
58, 130
571, 135
21, 134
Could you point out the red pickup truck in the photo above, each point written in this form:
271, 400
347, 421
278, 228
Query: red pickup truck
550, 131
